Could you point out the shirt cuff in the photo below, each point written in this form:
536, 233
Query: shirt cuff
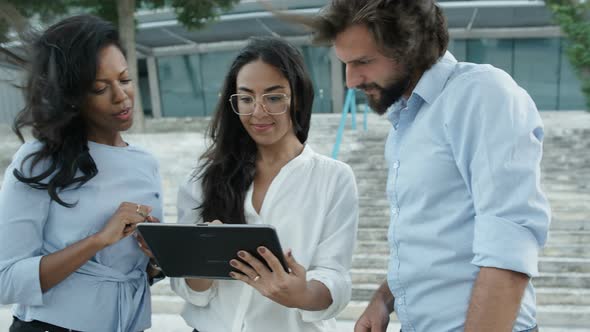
340, 288
201, 299
27, 281
504, 244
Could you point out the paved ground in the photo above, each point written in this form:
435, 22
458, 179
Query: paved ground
174, 323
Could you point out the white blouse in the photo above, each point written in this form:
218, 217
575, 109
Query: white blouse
313, 205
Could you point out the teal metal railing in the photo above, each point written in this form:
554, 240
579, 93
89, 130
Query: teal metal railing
349, 107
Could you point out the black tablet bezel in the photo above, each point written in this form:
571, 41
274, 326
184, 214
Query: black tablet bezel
204, 250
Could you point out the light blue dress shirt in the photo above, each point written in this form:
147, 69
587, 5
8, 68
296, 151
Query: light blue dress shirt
463, 185
108, 293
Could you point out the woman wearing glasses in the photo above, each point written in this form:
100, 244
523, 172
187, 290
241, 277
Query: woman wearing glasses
258, 170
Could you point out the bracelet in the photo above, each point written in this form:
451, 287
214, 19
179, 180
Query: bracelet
155, 265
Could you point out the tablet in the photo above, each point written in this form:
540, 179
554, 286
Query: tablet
204, 250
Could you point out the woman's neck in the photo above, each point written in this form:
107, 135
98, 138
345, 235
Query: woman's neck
113, 140
279, 154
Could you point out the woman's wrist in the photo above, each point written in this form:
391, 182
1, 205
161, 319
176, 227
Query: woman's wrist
153, 268
98, 241
199, 285
316, 297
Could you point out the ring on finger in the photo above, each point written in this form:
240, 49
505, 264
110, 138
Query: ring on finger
138, 210
255, 279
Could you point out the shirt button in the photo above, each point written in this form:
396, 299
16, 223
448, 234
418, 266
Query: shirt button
396, 164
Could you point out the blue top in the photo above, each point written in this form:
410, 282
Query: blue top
108, 293
464, 190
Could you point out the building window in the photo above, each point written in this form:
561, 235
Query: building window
536, 69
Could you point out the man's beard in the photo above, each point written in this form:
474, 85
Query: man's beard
388, 95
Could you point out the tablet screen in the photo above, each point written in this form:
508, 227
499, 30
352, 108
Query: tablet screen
204, 250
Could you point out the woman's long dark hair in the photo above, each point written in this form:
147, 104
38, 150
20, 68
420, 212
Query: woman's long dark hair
63, 60
228, 167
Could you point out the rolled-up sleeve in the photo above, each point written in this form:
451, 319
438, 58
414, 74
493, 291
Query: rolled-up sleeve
333, 257
201, 299
497, 142
23, 213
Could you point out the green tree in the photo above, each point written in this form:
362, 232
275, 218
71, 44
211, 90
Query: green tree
193, 14
14, 15
573, 16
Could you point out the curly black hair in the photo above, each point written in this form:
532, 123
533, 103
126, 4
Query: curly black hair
63, 64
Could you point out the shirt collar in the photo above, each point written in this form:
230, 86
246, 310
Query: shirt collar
305, 155
429, 87
433, 80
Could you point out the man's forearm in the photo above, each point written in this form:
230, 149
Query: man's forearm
495, 300
384, 294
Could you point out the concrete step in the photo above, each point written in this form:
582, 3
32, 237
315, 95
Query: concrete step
564, 264
173, 322
548, 315
566, 237
557, 251
167, 304
563, 296
549, 318
369, 260
562, 315
381, 223
555, 238
574, 250
570, 280
561, 230
570, 225
162, 288
354, 310
373, 201
373, 234
371, 185
359, 165
372, 247
374, 211
573, 206
545, 279
569, 196
166, 301
364, 292
545, 296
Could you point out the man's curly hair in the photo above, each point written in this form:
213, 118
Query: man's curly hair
413, 32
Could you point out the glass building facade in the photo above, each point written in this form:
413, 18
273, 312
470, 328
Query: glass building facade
190, 84
539, 65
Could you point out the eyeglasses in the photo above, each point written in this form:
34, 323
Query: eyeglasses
272, 103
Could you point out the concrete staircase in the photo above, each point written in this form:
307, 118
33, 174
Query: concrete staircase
563, 288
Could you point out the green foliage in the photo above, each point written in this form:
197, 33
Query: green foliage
106, 9
45, 9
573, 16
195, 13
191, 13
4, 27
